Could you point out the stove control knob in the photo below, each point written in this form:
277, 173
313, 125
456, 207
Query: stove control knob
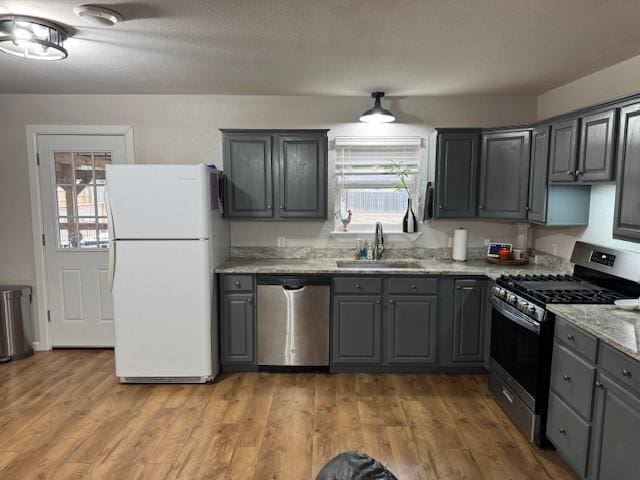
522, 305
531, 310
502, 293
512, 299
496, 291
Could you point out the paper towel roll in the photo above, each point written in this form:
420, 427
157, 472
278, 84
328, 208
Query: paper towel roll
460, 244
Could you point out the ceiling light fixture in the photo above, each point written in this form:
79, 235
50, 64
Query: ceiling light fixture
31, 37
377, 114
98, 15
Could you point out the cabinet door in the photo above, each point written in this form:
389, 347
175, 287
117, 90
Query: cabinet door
537, 208
411, 329
597, 134
563, 157
357, 329
469, 321
504, 175
626, 222
302, 176
247, 164
238, 329
616, 433
457, 175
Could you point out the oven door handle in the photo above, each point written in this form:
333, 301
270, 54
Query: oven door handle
505, 310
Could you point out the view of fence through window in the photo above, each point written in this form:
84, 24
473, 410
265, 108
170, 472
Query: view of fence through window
80, 196
367, 178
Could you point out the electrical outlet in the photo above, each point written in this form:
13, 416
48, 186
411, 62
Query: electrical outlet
450, 241
282, 242
487, 241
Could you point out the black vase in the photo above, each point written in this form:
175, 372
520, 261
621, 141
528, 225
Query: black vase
409, 222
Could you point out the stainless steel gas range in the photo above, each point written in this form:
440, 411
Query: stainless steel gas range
522, 328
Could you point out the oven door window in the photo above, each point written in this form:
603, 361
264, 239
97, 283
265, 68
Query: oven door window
517, 350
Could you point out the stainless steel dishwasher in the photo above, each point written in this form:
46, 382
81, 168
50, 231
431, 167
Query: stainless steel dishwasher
293, 321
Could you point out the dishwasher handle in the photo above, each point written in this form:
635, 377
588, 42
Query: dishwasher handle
293, 283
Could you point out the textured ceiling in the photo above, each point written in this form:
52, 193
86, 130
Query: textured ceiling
329, 47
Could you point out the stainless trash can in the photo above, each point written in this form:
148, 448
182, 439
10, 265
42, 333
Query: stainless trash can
15, 322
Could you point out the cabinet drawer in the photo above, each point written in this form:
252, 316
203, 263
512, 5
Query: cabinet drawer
237, 283
623, 368
572, 378
579, 340
569, 433
404, 285
357, 285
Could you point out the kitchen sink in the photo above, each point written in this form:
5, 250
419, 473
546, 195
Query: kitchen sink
376, 265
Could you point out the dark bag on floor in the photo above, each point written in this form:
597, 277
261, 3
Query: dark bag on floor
354, 466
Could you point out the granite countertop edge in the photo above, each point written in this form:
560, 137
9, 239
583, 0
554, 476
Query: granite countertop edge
327, 266
617, 328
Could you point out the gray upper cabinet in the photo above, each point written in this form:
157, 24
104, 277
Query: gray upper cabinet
411, 324
616, 427
457, 174
469, 320
275, 174
626, 222
302, 176
563, 156
504, 175
597, 142
357, 329
537, 208
248, 166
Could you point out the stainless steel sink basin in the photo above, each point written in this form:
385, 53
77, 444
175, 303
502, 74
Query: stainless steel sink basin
377, 265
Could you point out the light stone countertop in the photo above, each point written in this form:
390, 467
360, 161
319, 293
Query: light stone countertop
328, 266
618, 328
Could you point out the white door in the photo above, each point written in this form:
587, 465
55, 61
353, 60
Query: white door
76, 239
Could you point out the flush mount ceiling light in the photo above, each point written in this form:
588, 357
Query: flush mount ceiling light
31, 37
377, 114
98, 15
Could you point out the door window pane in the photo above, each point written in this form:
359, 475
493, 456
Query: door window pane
80, 199
63, 167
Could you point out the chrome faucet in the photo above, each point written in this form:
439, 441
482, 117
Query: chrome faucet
378, 242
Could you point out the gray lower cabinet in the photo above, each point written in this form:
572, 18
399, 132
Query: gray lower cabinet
563, 155
357, 329
504, 175
280, 174
456, 186
626, 220
411, 329
616, 433
238, 329
596, 154
470, 299
594, 408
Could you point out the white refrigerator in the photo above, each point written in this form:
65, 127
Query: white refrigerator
166, 242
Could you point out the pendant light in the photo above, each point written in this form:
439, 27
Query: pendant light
377, 114
33, 38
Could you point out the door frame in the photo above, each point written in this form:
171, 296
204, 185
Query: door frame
40, 304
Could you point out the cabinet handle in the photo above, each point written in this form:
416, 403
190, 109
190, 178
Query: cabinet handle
358, 285
238, 284
599, 385
281, 207
268, 207
570, 337
562, 430
413, 286
626, 373
392, 301
249, 300
440, 207
566, 378
570, 172
527, 208
481, 207
377, 302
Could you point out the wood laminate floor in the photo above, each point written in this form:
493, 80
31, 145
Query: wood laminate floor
63, 414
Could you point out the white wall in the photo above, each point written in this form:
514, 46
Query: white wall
612, 82
184, 129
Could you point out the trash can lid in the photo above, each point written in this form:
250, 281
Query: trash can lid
13, 288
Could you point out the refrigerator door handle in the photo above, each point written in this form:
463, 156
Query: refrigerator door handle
112, 241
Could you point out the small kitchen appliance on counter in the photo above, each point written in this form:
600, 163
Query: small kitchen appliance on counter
522, 329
